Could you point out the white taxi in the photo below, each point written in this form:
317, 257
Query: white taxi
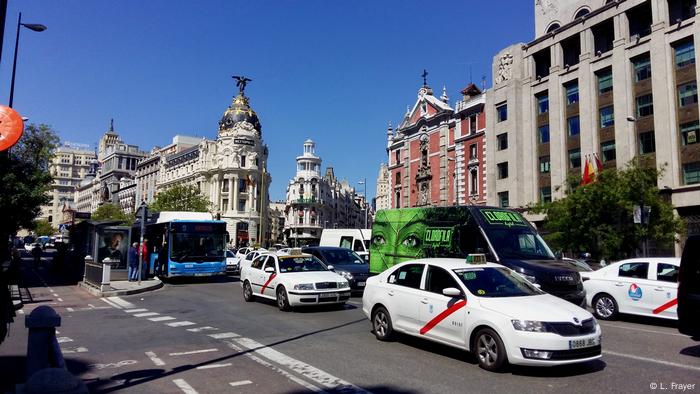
293, 280
484, 308
640, 286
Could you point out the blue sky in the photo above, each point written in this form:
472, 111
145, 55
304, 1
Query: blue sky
333, 71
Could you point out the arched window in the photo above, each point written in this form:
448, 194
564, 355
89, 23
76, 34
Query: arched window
581, 13
553, 26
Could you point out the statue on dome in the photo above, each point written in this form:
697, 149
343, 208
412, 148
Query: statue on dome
241, 82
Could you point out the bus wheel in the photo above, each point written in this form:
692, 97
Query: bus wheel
248, 292
282, 299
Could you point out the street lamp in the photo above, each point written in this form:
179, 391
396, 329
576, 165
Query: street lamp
363, 182
33, 27
643, 219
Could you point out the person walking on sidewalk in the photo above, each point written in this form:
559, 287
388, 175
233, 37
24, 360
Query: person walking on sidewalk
133, 262
144, 256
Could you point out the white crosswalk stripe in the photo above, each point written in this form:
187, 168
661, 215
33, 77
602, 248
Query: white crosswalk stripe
161, 318
180, 324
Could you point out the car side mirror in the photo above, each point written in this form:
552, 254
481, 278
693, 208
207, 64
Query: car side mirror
451, 292
558, 254
270, 270
331, 268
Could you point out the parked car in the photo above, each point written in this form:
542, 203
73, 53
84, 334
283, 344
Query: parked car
345, 262
30, 246
689, 289
646, 286
250, 256
232, 262
485, 308
294, 280
284, 251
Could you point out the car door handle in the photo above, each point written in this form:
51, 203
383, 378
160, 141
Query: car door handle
659, 288
424, 301
618, 284
391, 292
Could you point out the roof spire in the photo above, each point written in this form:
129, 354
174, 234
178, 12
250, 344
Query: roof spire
425, 78
444, 97
111, 125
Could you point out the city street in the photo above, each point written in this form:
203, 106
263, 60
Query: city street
200, 336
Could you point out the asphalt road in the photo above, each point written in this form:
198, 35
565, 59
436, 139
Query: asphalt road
201, 337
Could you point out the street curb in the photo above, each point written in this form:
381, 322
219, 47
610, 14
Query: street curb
17, 303
113, 293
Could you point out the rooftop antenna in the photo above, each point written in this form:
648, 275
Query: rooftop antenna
483, 83
470, 74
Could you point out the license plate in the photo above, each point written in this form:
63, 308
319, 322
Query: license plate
582, 343
329, 295
360, 284
189, 265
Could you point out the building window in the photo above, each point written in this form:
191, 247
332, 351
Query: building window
647, 143
605, 81
571, 92
645, 106
503, 199
689, 132
642, 68
603, 36
607, 150
472, 152
241, 205
502, 112
688, 94
397, 202
398, 178
224, 186
543, 134
543, 62
691, 173
502, 170
243, 161
546, 194
572, 125
543, 103
607, 117
224, 205
685, 54
242, 185
680, 10
473, 182
575, 158
544, 164
472, 124
502, 141
397, 155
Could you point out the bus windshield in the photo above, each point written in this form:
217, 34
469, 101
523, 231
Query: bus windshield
518, 243
197, 247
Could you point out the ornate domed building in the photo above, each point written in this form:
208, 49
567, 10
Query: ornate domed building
230, 170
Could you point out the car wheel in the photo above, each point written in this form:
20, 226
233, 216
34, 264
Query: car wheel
248, 292
282, 299
489, 350
605, 307
381, 324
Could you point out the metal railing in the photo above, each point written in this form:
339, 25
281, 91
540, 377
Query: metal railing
97, 274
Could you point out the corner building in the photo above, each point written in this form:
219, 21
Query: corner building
613, 78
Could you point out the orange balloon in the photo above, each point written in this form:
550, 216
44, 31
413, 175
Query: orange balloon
11, 127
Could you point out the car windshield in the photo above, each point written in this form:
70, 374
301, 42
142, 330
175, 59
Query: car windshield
521, 243
229, 254
197, 247
496, 282
301, 264
342, 257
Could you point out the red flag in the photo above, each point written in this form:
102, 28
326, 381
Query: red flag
598, 163
586, 179
592, 172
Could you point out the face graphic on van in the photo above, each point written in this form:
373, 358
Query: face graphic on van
397, 236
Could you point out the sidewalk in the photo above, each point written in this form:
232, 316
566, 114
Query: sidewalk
123, 287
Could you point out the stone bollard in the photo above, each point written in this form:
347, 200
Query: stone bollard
107, 273
42, 347
54, 380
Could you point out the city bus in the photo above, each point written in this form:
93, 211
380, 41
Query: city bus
187, 244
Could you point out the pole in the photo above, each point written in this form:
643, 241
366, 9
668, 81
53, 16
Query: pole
262, 207
143, 229
14, 63
364, 183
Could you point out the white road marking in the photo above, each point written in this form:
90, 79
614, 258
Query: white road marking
136, 310
59, 299
651, 360
198, 329
91, 306
75, 350
146, 314
180, 324
186, 388
161, 318
193, 352
312, 373
63, 339
111, 303
224, 335
214, 366
123, 303
240, 383
69, 309
641, 329
154, 358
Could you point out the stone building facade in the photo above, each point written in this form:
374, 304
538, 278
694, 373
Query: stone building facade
437, 154
612, 79
382, 199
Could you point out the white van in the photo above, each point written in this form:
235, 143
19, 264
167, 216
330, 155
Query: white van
351, 238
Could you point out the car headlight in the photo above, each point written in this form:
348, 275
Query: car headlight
530, 325
343, 285
344, 274
304, 286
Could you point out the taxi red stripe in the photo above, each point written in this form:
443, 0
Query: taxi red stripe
262, 290
437, 319
666, 306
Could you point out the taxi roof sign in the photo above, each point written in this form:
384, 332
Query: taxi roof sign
476, 258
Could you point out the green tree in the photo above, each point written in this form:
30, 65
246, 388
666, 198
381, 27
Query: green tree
598, 218
43, 227
111, 212
185, 198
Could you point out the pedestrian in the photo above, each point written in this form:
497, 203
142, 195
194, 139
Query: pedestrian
36, 252
144, 256
133, 262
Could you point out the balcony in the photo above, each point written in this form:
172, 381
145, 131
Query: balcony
302, 200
